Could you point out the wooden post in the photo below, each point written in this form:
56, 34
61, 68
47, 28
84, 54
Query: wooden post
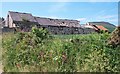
114, 39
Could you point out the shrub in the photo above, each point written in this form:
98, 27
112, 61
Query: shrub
39, 51
26, 48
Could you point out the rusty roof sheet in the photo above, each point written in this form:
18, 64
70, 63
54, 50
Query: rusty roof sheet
101, 27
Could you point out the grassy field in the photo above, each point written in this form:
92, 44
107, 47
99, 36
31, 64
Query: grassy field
37, 51
0, 53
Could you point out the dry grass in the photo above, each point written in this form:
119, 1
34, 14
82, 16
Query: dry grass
0, 52
3, 36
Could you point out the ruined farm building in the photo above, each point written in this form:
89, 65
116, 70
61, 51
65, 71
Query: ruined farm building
25, 21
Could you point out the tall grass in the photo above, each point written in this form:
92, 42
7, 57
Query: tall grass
63, 53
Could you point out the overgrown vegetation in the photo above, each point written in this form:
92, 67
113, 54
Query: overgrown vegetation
39, 51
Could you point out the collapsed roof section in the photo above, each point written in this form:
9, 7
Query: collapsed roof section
18, 16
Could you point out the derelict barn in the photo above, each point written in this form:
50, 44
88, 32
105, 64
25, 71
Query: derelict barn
25, 21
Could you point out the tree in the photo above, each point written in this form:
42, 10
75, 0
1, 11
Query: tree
3, 19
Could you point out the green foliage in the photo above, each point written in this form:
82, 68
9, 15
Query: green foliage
24, 19
39, 51
109, 26
40, 34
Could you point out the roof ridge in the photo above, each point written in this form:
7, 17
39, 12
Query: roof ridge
19, 12
44, 17
55, 18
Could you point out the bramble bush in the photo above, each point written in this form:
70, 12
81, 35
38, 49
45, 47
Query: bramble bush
39, 51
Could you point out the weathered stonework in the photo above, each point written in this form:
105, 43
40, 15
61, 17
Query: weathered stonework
25, 21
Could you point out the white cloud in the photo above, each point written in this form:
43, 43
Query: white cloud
99, 13
81, 19
108, 16
54, 17
103, 16
113, 20
59, 6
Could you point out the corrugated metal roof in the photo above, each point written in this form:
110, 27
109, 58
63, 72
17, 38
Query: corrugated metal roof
17, 16
90, 26
44, 21
101, 27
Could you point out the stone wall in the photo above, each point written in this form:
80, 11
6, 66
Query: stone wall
6, 29
57, 30
68, 30
88, 30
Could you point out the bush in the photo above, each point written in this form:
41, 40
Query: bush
39, 51
26, 48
